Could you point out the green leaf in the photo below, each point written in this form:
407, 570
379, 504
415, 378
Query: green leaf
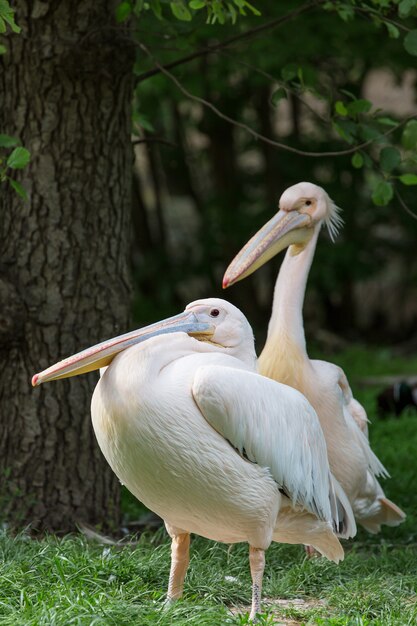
251, 8
386, 121
3, 49
123, 11
410, 42
389, 159
393, 31
359, 106
346, 129
357, 160
405, 7
180, 11
409, 179
382, 193
289, 71
8, 142
138, 7
409, 161
18, 159
156, 8
369, 133
7, 16
409, 136
233, 12
367, 161
340, 108
20, 190
197, 4
218, 11
348, 93
346, 13
278, 95
384, 4
143, 121
241, 6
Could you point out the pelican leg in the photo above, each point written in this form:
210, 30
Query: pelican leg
257, 566
180, 558
311, 552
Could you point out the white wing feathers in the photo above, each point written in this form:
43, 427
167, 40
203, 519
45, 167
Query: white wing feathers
274, 426
374, 464
353, 412
353, 406
357, 421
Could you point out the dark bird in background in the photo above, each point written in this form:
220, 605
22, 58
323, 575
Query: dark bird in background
396, 398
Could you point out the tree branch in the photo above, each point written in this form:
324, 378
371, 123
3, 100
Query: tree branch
231, 40
282, 84
254, 133
369, 11
165, 142
404, 205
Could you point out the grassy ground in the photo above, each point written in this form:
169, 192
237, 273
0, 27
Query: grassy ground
62, 582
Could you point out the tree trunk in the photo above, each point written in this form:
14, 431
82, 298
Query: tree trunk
65, 91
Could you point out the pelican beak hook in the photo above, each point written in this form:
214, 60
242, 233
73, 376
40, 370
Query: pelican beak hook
284, 229
103, 353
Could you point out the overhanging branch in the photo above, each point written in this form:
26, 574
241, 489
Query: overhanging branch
231, 40
254, 133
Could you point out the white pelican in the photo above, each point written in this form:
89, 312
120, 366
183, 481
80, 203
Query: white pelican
209, 445
303, 209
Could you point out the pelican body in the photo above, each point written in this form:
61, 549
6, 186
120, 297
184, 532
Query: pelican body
303, 209
211, 446
176, 475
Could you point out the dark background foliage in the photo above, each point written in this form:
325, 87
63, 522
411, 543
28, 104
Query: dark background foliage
204, 186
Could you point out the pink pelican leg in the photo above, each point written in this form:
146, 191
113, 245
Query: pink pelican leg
257, 566
311, 552
180, 558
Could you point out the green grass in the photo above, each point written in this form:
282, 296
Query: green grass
70, 581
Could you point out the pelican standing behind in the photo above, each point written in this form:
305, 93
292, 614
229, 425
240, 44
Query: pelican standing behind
303, 209
209, 445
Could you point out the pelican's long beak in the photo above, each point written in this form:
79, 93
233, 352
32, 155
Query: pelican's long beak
103, 353
284, 229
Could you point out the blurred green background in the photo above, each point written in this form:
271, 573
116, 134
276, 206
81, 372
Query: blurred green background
203, 186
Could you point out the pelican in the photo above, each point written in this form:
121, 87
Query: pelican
210, 445
303, 209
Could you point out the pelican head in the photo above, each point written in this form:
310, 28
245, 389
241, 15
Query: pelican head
232, 332
212, 320
302, 209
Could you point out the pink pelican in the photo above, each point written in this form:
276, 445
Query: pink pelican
303, 209
208, 444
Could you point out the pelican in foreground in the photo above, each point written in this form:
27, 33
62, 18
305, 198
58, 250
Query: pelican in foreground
208, 444
303, 209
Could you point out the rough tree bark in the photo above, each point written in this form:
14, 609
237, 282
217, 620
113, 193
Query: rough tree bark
65, 91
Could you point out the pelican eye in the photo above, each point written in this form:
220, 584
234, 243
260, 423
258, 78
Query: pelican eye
214, 313
308, 202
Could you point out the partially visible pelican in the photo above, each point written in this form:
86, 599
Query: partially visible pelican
209, 445
303, 209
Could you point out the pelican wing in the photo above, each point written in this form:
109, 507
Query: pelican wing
353, 406
374, 464
270, 424
353, 412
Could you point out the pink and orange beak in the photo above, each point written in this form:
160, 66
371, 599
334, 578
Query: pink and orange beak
103, 353
284, 229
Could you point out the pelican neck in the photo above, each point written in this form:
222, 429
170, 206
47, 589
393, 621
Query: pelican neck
289, 292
